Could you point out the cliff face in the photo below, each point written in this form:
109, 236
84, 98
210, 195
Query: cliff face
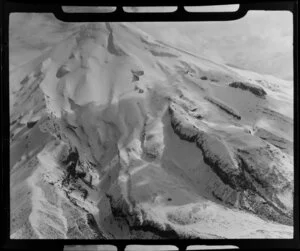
115, 135
259, 174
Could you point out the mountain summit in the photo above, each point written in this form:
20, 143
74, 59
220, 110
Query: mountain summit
116, 135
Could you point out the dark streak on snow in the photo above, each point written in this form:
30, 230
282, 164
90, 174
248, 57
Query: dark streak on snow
256, 90
162, 54
110, 43
224, 108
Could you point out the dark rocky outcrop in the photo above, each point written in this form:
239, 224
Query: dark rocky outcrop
256, 90
31, 124
71, 162
94, 226
136, 75
111, 46
140, 224
162, 54
62, 71
241, 176
25, 80
229, 174
224, 108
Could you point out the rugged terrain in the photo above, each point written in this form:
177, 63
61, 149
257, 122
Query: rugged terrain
117, 135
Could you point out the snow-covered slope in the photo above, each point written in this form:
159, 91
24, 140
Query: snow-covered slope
117, 135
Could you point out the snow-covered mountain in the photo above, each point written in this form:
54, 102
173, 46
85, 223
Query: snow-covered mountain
115, 134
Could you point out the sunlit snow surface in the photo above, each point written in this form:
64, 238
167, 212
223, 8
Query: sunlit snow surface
117, 135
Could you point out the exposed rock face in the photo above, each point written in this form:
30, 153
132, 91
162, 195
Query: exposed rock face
256, 90
224, 107
247, 171
117, 136
62, 71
